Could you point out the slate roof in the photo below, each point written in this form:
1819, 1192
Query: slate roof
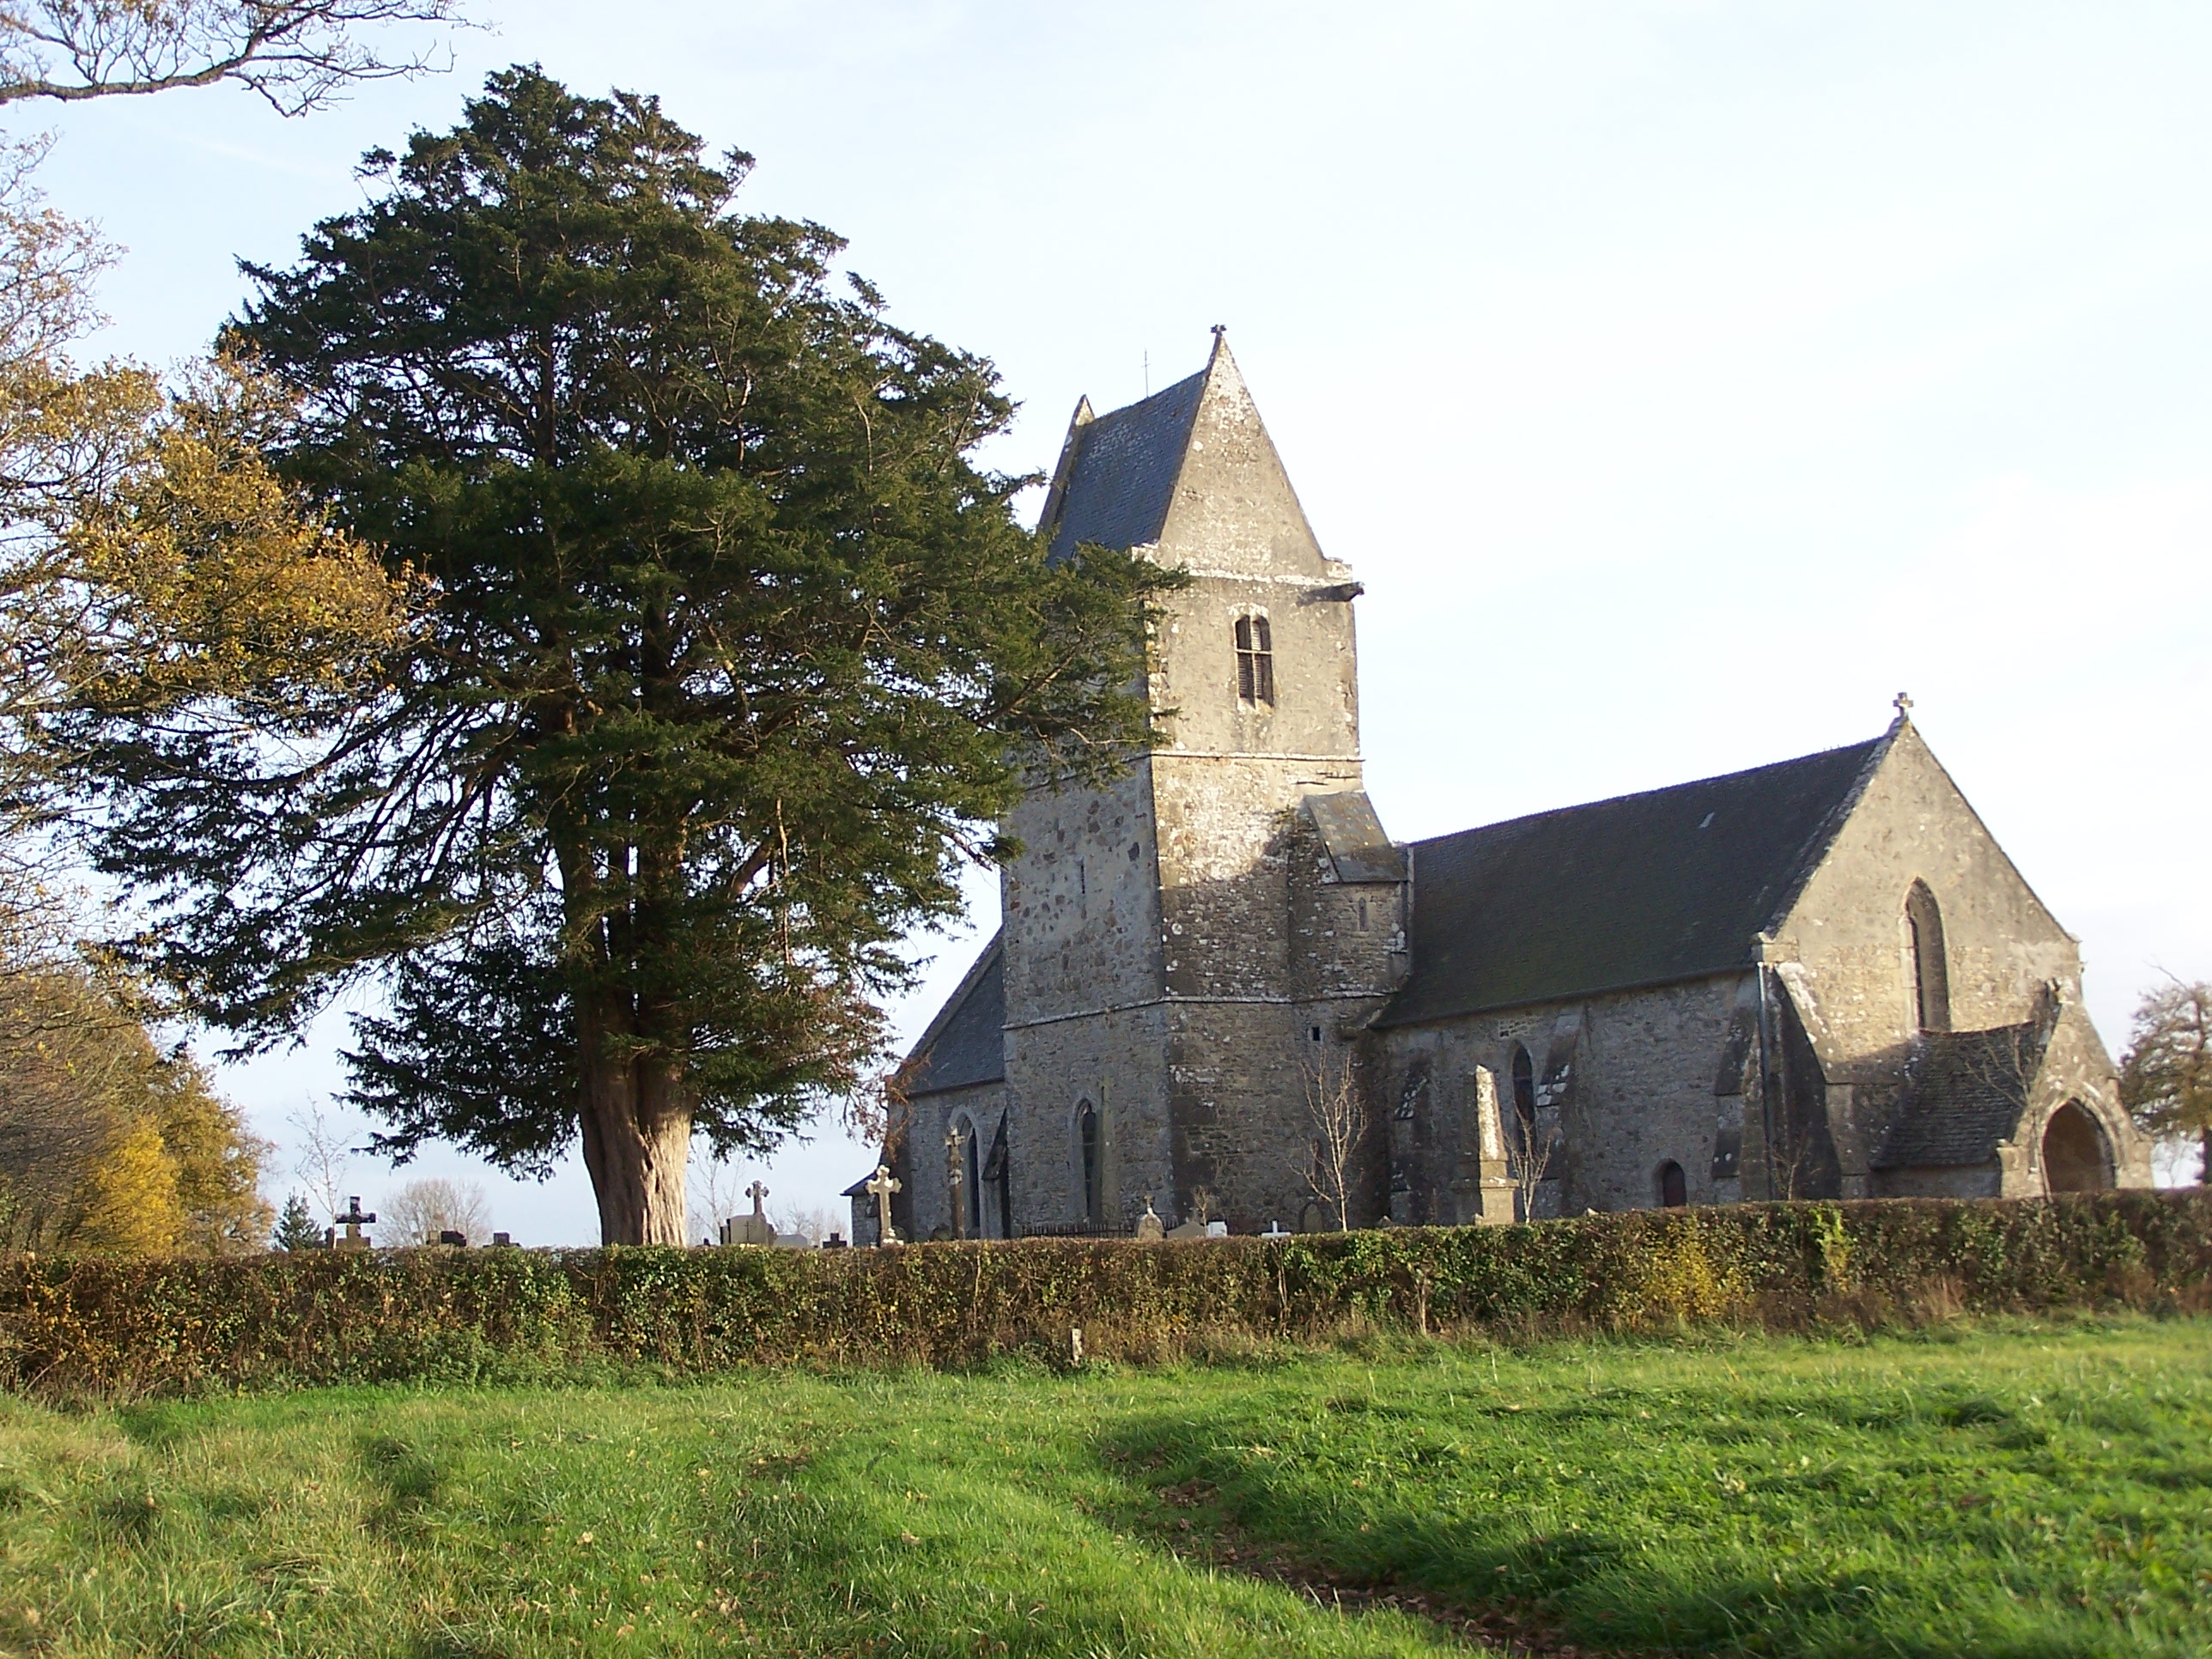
966, 1043
1353, 834
1964, 1093
1121, 476
1642, 890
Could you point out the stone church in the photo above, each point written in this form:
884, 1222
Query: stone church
1819, 978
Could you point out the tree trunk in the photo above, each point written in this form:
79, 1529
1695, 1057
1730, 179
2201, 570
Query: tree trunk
637, 1144
2204, 1176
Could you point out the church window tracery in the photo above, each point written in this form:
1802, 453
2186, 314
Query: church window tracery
1926, 960
1255, 660
1524, 1089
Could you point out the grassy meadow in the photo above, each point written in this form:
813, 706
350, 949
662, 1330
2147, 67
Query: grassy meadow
2009, 1488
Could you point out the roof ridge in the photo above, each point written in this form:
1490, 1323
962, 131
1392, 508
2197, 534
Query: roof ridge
951, 1005
1646, 794
1118, 471
1825, 833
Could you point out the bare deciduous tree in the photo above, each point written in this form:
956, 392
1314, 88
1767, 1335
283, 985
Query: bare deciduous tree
422, 1209
323, 1157
1337, 1112
297, 54
2165, 1077
715, 1188
1529, 1153
812, 1224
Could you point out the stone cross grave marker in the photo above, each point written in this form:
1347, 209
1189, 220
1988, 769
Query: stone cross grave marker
1149, 1224
881, 1186
353, 1221
754, 1229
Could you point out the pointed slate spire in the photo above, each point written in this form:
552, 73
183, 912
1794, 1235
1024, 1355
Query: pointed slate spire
1117, 470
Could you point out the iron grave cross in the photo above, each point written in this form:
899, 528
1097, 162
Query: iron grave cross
353, 1221
880, 1186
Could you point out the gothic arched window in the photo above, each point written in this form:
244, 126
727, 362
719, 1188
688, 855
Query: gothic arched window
1524, 1091
1255, 660
1925, 955
1094, 1188
1674, 1186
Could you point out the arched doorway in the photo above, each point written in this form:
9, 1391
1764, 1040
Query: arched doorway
2074, 1158
1674, 1186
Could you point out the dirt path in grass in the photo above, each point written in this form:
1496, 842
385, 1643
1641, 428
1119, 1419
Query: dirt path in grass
1507, 1625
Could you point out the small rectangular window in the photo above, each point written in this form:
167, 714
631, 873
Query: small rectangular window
1255, 660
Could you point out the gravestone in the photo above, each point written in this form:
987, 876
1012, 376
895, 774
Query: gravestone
353, 1221
754, 1229
881, 1186
1149, 1227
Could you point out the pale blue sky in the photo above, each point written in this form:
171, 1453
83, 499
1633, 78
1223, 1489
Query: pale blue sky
1682, 380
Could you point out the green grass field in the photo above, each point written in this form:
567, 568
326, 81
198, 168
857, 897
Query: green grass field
2001, 1490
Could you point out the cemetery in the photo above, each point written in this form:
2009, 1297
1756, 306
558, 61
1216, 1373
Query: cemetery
534, 683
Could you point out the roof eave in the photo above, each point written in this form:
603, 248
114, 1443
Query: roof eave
1384, 1020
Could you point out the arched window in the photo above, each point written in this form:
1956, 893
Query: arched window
1524, 1092
971, 1189
1925, 955
1094, 1186
999, 1175
1255, 660
1674, 1187
2074, 1152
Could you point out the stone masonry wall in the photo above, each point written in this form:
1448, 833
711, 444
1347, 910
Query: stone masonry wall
1625, 1082
1117, 1062
924, 1200
1844, 947
1082, 921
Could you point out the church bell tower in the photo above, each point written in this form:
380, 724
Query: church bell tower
1184, 948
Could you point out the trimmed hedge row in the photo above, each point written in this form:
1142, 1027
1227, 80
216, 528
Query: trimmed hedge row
87, 1326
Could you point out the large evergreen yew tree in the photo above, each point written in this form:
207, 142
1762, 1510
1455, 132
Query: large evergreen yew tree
729, 652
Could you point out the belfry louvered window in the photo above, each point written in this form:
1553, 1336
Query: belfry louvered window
1255, 660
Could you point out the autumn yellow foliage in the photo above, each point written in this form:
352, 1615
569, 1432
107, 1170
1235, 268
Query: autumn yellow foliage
129, 1197
107, 1144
